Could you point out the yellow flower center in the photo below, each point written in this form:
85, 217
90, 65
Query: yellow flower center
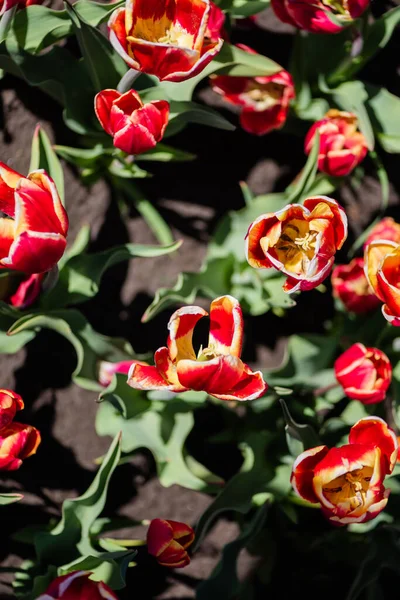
207, 353
341, 7
161, 31
176, 37
264, 95
296, 246
350, 489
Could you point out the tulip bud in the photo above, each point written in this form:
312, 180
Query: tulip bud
77, 586
364, 373
10, 402
351, 287
168, 540
341, 146
17, 442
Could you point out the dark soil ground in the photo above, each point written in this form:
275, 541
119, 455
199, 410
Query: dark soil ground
191, 197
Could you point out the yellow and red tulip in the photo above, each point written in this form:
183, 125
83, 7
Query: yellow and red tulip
351, 286
33, 239
341, 146
10, 402
386, 229
17, 442
348, 481
264, 101
165, 38
217, 369
107, 369
316, 15
382, 267
215, 24
135, 127
300, 241
168, 540
77, 586
364, 373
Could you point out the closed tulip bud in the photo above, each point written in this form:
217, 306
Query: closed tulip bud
364, 373
168, 540
319, 16
341, 146
386, 229
352, 288
264, 101
217, 369
77, 586
135, 127
298, 240
10, 402
33, 238
17, 442
382, 266
165, 38
348, 481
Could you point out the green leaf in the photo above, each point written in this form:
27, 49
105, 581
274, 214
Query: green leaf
352, 96
109, 567
299, 191
12, 344
164, 153
82, 157
104, 65
384, 110
10, 498
304, 434
44, 157
247, 8
182, 113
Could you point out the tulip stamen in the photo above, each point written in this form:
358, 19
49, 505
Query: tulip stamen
264, 95
352, 489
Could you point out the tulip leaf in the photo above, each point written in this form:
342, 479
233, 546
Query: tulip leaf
81, 275
351, 96
223, 581
109, 567
299, 190
90, 346
104, 65
384, 110
11, 344
44, 157
161, 427
295, 432
10, 498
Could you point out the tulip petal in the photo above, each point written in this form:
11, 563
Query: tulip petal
8, 182
182, 532
181, 326
27, 291
38, 206
339, 221
7, 230
373, 258
350, 359
250, 386
261, 122
146, 377
33, 252
103, 103
303, 472
167, 369
375, 431
215, 376
159, 536
226, 326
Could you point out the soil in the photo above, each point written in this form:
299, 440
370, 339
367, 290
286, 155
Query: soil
191, 197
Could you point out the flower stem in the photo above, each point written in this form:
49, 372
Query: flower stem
322, 390
389, 414
127, 80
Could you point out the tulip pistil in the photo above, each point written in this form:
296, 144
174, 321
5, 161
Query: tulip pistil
296, 246
205, 354
350, 488
265, 95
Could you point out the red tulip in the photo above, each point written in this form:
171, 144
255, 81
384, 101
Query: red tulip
215, 24
364, 373
300, 241
10, 402
107, 369
168, 540
382, 267
135, 127
27, 292
166, 38
264, 100
77, 586
33, 239
386, 229
319, 16
217, 369
341, 146
348, 481
17, 442
351, 286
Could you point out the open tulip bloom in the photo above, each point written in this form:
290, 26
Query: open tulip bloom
77, 586
217, 369
10, 403
319, 16
299, 240
33, 237
165, 38
382, 267
17, 442
348, 481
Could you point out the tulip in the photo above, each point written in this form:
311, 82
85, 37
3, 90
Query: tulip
77, 586
364, 373
107, 369
215, 24
348, 481
341, 146
10, 402
351, 287
27, 292
319, 16
168, 540
17, 442
300, 241
166, 38
5, 5
134, 126
264, 100
382, 267
217, 369
387, 229
33, 239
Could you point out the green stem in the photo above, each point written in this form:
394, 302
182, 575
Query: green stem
127, 80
